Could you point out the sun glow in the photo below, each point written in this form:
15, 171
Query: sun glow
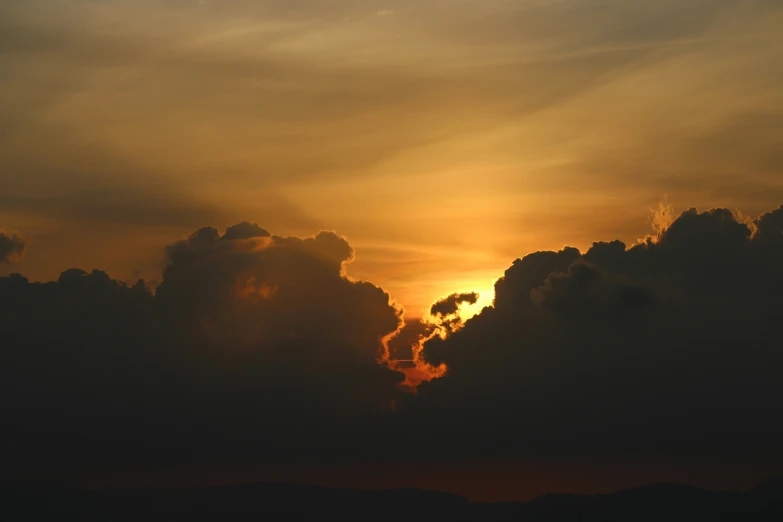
486, 293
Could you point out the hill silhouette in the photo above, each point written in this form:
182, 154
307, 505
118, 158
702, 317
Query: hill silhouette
35, 502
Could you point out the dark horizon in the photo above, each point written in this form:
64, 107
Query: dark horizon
495, 492
273, 501
500, 481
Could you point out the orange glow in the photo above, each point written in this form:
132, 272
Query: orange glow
486, 293
417, 370
250, 288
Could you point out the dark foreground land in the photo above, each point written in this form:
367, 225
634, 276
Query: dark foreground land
262, 502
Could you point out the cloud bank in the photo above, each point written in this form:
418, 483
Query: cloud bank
257, 348
670, 347
252, 343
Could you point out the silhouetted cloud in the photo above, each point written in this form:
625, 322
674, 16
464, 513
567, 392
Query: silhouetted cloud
245, 230
12, 247
401, 346
258, 348
769, 227
450, 305
670, 346
253, 346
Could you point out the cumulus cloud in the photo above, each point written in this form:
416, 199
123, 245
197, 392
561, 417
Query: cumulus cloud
245, 230
257, 348
252, 345
769, 227
291, 288
671, 345
12, 247
585, 291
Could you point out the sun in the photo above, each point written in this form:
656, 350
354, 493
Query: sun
486, 294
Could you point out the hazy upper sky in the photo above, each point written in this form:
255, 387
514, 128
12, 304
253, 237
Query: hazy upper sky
444, 138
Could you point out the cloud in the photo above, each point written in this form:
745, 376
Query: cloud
257, 348
245, 230
252, 343
12, 247
670, 346
450, 305
769, 227
586, 292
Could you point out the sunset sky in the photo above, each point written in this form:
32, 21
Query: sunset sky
442, 138
416, 148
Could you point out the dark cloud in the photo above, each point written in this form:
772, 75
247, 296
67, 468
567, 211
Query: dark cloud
769, 227
252, 348
585, 291
401, 346
245, 230
257, 348
450, 305
670, 347
12, 247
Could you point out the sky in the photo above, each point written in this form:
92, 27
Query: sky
340, 167
443, 138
